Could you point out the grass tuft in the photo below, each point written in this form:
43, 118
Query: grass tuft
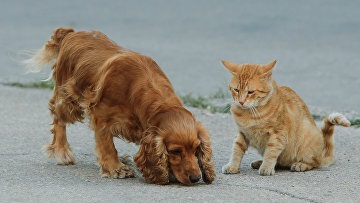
38, 85
203, 103
188, 99
317, 117
220, 94
355, 122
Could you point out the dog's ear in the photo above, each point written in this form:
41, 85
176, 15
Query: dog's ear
152, 158
204, 154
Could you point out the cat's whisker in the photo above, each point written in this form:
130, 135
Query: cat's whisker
251, 111
256, 111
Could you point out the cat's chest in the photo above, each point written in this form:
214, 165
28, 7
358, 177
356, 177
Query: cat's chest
257, 135
257, 139
254, 133
255, 130
251, 126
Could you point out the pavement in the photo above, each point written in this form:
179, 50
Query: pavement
27, 175
316, 44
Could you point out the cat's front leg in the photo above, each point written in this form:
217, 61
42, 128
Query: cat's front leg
275, 145
240, 146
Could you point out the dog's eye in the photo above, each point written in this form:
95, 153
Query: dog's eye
175, 151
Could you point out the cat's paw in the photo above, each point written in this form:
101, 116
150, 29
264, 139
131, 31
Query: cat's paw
266, 171
300, 167
230, 169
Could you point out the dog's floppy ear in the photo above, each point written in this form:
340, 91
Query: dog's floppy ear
152, 157
204, 154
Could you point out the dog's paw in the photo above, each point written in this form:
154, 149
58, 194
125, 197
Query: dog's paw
230, 169
121, 172
266, 171
63, 155
208, 175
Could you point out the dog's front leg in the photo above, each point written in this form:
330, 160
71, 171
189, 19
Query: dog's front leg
108, 159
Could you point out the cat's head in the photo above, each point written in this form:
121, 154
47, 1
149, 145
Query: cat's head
251, 85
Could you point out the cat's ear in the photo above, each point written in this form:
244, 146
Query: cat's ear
267, 69
230, 66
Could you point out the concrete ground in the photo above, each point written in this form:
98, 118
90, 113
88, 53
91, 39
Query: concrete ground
26, 175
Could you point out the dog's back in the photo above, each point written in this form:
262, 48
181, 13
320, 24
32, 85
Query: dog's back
90, 61
91, 72
81, 57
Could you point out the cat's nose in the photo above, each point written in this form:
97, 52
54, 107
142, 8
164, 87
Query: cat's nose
242, 102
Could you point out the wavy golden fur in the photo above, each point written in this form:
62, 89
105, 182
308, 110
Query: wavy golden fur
276, 121
124, 94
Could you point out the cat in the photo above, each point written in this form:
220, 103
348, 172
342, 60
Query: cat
275, 120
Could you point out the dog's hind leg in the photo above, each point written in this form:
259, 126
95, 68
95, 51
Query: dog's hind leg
59, 148
108, 158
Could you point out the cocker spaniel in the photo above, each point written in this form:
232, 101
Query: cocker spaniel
124, 94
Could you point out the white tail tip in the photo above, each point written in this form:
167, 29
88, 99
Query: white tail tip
339, 119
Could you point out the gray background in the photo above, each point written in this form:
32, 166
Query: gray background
316, 43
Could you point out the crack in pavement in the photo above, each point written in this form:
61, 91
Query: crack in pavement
15, 154
275, 191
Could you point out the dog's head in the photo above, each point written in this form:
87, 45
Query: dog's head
177, 146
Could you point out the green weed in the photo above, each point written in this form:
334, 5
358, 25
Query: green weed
38, 85
188, 99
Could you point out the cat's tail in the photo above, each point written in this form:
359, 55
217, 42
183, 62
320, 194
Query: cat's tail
48, 53
328, 131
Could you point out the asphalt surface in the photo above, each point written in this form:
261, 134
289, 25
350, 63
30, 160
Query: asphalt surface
27, 175
317, 47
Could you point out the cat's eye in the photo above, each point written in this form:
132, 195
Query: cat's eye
236, 90
175, 151
251, 92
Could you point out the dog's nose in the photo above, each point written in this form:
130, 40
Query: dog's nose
194, 178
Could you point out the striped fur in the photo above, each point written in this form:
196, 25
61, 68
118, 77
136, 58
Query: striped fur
276, 121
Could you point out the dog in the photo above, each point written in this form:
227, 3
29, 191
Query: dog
123, 94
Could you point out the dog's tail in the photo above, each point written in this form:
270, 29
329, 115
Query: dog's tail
328, 131
47, 55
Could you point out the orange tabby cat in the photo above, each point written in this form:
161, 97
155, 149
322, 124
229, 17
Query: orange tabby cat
276, 121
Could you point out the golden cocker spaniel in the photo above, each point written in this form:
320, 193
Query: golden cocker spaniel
124, 94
